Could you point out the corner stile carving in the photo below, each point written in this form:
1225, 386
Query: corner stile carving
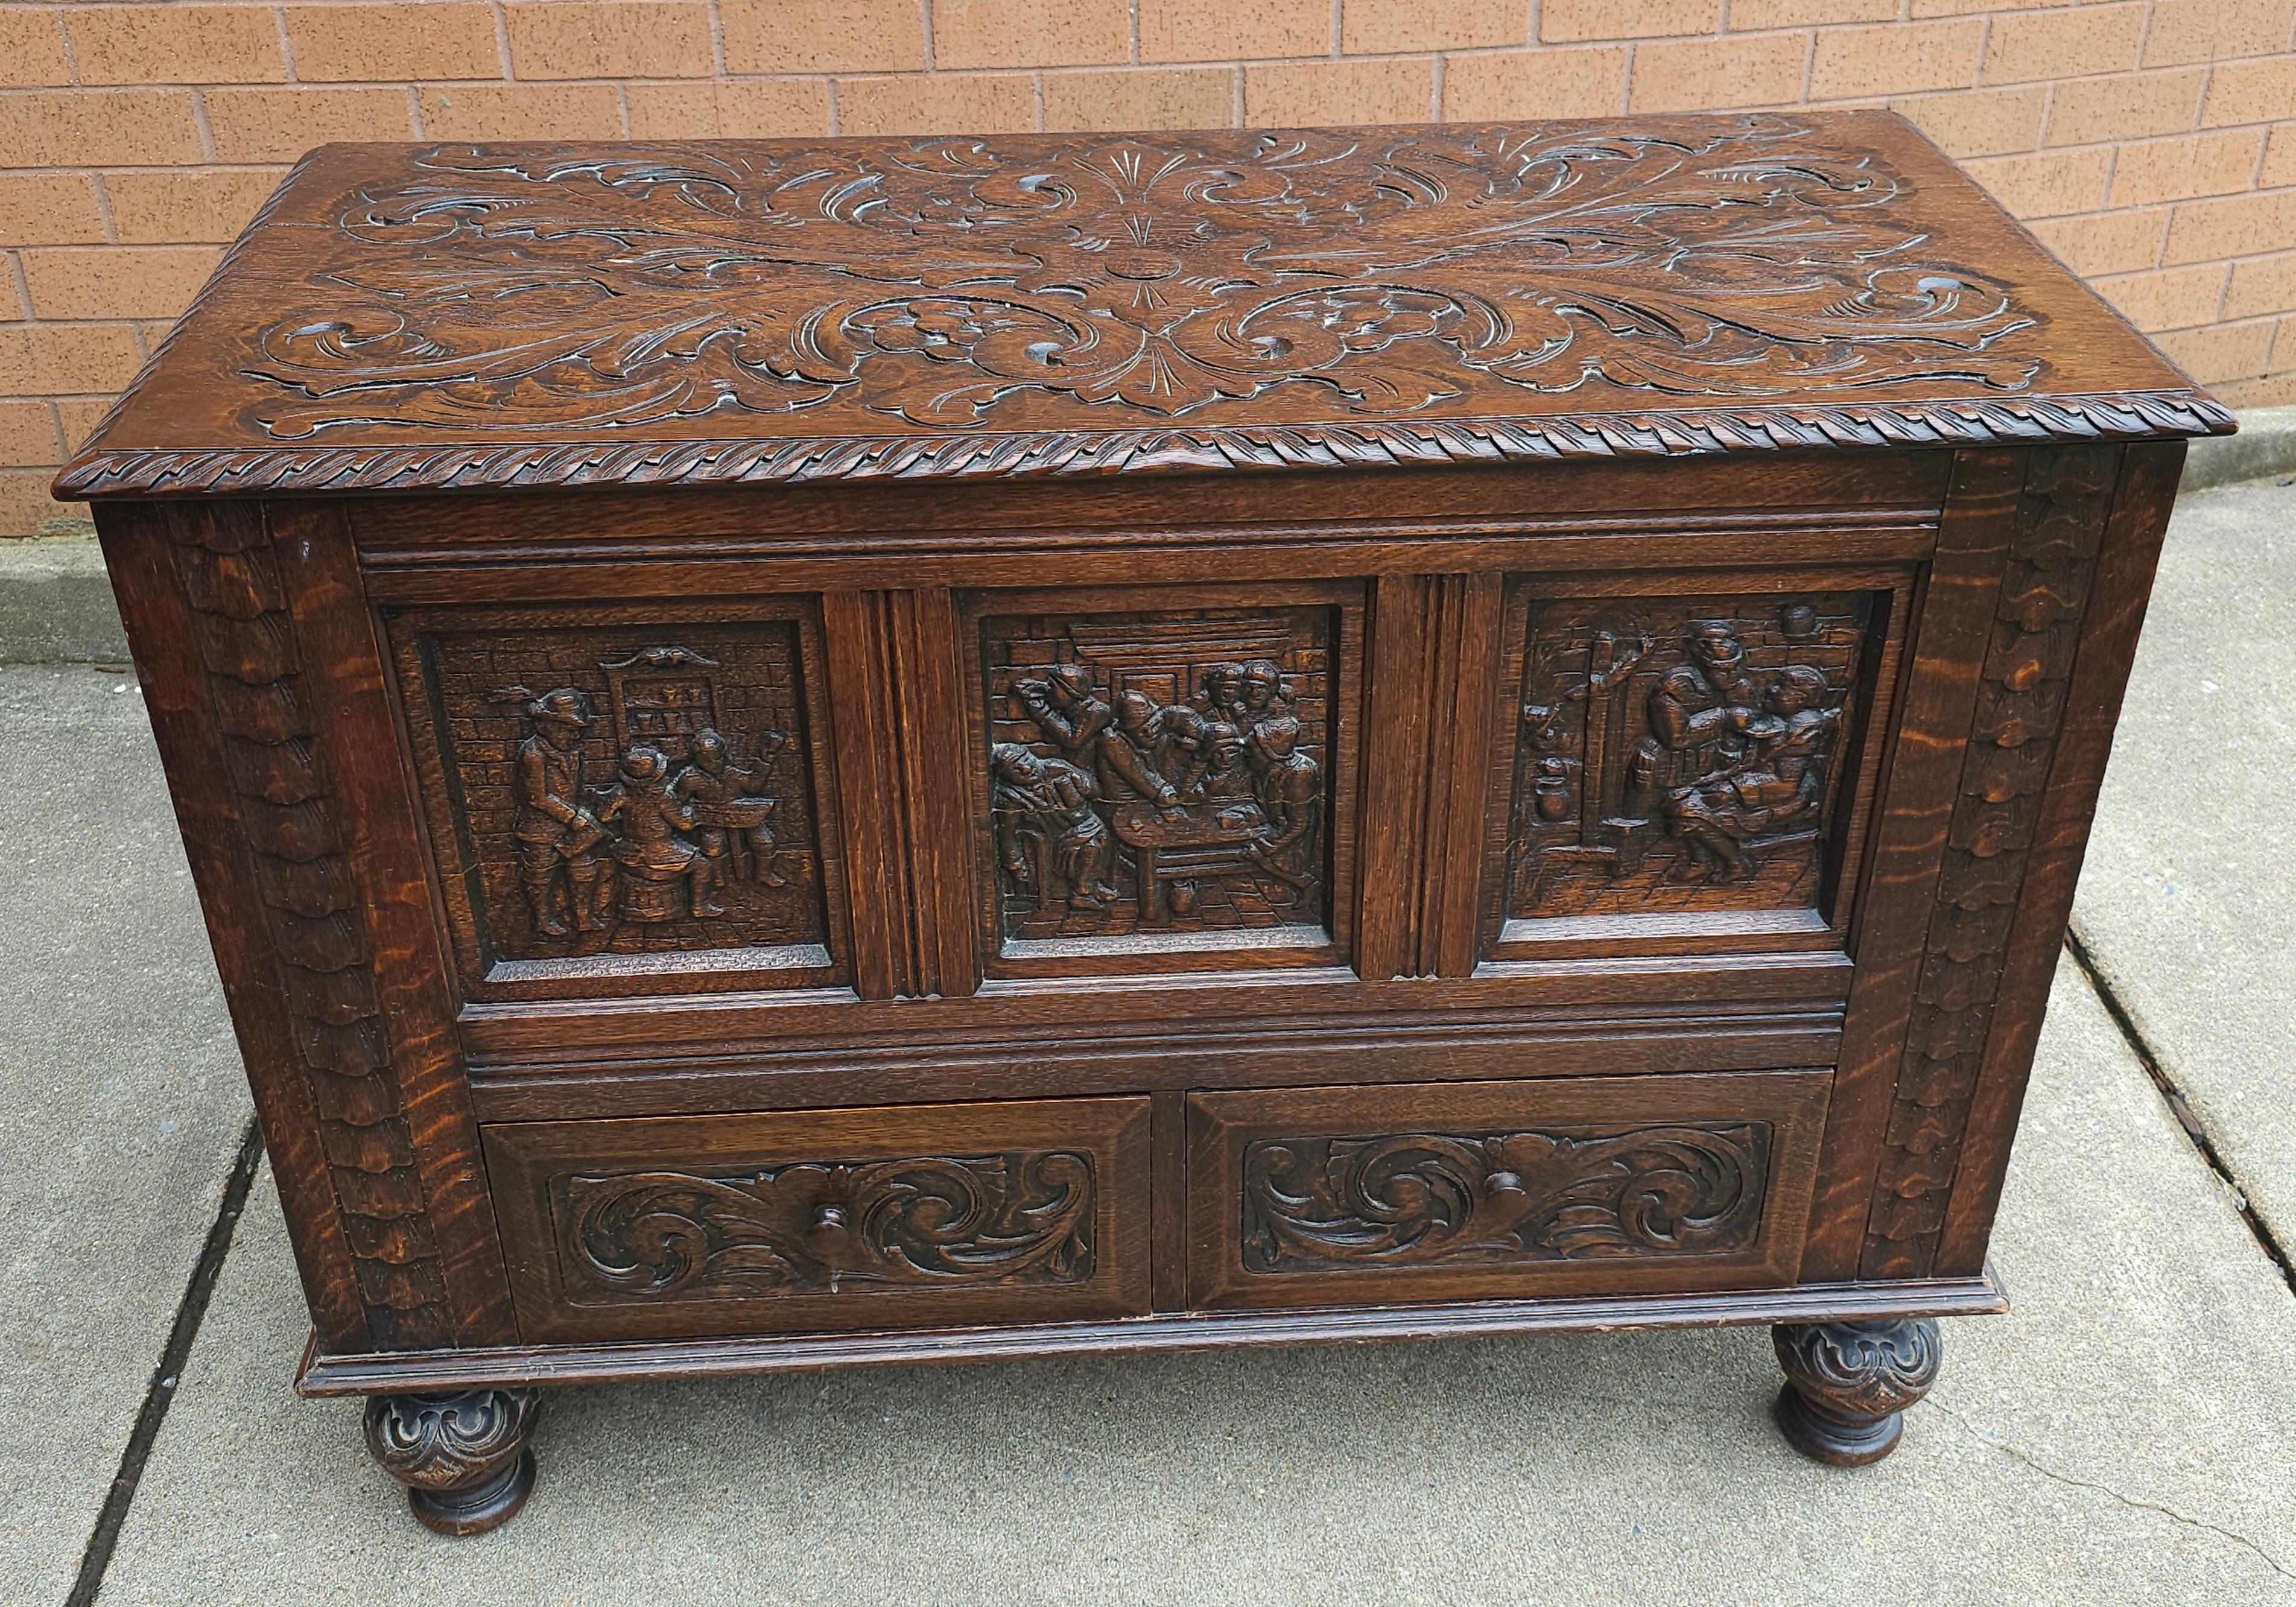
2021, 706
246, 641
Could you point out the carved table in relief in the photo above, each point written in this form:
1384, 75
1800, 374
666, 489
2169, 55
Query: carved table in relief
801, 754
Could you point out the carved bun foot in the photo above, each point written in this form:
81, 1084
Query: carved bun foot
462, 1457
1848, 1385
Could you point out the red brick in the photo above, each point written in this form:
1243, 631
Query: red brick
1168, 97
752, 110
1243, 31
1030, 33
2129, 105
199, 208
27, 435
382, 44
67, 359
1564, 20
1393, 27
2064, 43
1312, 94
616, 39
1498, 84
99, 128
32, 48
279, 125
823, 35
115, 281
48, 208
1900, 59
1765, 69
996, 102
175, 45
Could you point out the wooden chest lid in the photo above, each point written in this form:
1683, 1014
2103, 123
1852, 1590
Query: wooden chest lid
406, 318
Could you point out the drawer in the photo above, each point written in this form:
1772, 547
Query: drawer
1472, 1190
909, 1216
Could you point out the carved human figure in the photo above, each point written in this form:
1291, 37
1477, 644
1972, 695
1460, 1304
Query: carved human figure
558, 837
1131, 756
1779, 783
1068, 711
733, 819
653, 854
1052, 801
1698, 713
1289, 786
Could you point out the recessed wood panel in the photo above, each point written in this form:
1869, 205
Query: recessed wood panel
893, 1218
625, 800
1688, 768
1159, 775
1495, 1190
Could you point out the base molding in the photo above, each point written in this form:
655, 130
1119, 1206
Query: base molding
323, 1374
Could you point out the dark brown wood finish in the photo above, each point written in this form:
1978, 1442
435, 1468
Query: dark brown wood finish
1133, 742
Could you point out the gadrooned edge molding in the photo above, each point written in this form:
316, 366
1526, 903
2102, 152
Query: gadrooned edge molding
101, 472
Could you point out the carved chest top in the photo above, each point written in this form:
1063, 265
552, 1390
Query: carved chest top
410, 318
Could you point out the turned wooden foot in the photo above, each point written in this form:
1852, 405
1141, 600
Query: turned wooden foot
462, 1457
1848, 1385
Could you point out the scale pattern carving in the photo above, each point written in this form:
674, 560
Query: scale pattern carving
1024, 1218
963, 306
2020, 705
314, 912
1469, 1200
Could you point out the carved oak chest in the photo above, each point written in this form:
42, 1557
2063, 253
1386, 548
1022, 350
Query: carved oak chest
859, 751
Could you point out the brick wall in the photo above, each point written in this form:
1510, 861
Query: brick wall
2151, 143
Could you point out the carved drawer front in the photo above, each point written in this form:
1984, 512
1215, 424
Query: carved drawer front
1472, 1191
1688, 769
909, 1216
1162, 777
626, 798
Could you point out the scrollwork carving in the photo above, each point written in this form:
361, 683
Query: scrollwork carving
1024, 1218
463, 1457
658, 312
1460, 1199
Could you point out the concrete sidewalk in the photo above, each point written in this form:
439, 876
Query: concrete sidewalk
2121, 1436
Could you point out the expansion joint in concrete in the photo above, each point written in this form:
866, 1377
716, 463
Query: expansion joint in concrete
2179, 1106
169, 1372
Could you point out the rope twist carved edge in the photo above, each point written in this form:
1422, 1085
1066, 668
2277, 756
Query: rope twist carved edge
313, 915
2020, 705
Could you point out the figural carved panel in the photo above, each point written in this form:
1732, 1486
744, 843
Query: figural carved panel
620, 802
1687, 758
1160, 781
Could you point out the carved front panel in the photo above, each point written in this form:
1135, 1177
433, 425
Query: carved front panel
785, 1221
1501, 1190
624, 800
1682, 755
1019, 1218
1501, 1199
1159, 780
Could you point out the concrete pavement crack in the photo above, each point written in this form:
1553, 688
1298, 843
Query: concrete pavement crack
168, 1375
2179, 1107
2106, 1490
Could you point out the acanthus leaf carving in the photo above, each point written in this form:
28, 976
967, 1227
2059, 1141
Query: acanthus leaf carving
1500, 1199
